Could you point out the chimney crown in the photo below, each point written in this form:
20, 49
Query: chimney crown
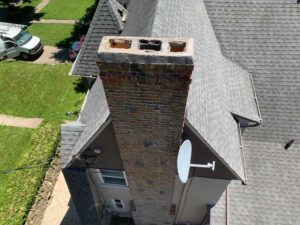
141, 50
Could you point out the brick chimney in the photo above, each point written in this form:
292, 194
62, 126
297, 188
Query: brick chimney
146, 82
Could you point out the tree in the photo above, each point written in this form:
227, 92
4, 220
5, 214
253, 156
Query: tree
11, 3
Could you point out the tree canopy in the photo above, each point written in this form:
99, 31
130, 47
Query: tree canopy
11, 2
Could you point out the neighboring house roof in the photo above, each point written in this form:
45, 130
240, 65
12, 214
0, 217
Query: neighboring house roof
94, 114
106, 21
263, 37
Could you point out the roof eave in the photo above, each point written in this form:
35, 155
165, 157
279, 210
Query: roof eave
238, 177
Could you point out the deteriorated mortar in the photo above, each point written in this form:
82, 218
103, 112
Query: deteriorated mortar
146, 82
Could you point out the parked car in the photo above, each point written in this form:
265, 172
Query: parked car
75, 48
15, 41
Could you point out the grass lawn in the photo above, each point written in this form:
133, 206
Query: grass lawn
66, 10
32, 90
24, 147
32, 3
13, 141
51, 34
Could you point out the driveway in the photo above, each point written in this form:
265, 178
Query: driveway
52, 55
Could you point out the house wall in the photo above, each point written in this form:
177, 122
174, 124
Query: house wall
108, 192
194, 196
109, 157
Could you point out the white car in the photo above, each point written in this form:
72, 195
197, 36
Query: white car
14, 42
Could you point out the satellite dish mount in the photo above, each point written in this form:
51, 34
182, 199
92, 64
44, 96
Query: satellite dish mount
184, 161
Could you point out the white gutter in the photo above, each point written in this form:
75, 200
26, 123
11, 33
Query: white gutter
228, 210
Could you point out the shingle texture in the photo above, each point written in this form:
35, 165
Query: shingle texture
92, 117
106, 21
70, 134
219, 87
263, 37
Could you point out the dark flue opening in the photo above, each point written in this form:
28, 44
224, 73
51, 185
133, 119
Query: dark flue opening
120, 43
150, 45
298, 1
177, 46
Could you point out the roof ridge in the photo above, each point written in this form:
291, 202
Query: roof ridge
114, 7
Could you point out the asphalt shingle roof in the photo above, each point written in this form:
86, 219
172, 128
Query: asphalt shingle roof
95, 112
219, 87
237, 38
106, 21
264, 38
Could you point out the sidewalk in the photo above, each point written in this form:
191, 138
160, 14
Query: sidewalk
60, 210
6, 120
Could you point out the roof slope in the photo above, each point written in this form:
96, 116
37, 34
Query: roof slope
106, 21
219, 87
95, 112
263, 37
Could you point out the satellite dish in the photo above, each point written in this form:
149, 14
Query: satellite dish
184, 161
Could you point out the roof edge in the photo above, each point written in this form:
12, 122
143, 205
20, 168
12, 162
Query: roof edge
95, 135
189, 125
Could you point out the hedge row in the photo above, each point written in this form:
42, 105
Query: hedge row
19, 192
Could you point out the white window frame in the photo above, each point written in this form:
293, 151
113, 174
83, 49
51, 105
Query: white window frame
115, 185
115, 204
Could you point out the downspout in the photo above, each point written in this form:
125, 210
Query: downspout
242, 152
228, 211
255, 99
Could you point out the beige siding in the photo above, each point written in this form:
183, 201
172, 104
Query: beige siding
195, 195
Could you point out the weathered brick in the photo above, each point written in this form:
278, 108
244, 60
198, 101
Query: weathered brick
147, 104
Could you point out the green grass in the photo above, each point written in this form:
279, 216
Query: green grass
32, 90
32, 3
51, 34
66, 10
18, 191
13, 142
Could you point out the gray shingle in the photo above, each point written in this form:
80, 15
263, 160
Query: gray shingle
263, 37
95, 112
69, 137
219, 87
140, 18
106, 21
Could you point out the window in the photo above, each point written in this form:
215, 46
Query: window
9, 45
118, 204
113, 177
